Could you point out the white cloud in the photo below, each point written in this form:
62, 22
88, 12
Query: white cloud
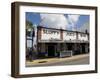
85, 27
58, 21
73, 19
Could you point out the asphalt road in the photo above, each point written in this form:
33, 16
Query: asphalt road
74, 62
82, 61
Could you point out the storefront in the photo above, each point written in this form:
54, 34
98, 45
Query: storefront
51, 42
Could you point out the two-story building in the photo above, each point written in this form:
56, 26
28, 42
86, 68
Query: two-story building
52, 41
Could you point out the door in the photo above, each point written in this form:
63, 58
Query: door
69, 46
51, 51
83, 48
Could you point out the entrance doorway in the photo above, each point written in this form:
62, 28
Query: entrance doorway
69, 46
83, 48
51, 51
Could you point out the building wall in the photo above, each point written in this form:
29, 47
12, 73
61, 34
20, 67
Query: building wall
82, 37
62, 40
48, 34
69, 35
63, 35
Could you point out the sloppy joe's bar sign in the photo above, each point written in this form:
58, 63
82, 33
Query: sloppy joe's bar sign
69, 35
50, 31
48, 34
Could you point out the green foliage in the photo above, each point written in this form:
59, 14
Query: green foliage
29, 25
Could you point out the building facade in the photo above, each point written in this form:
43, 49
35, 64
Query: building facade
51, 42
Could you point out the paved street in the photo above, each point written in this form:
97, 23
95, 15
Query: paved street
75, 60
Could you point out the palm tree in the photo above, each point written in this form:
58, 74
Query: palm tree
29, 25
29, 28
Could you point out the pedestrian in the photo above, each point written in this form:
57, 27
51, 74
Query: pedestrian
30, 54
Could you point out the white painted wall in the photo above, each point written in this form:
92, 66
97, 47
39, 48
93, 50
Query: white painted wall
82, 38
68, 37
52, 36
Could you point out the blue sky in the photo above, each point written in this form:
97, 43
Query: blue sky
33, 17
83, 19
77, 21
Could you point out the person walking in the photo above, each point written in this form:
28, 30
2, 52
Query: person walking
30, 55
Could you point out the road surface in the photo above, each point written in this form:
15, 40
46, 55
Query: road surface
78, 61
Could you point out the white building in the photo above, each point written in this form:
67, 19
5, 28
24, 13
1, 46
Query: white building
52, 41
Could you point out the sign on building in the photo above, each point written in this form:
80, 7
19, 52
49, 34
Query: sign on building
50, 34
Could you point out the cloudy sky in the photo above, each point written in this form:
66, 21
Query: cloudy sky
59, 21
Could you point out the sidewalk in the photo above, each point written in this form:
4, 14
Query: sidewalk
55, 60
